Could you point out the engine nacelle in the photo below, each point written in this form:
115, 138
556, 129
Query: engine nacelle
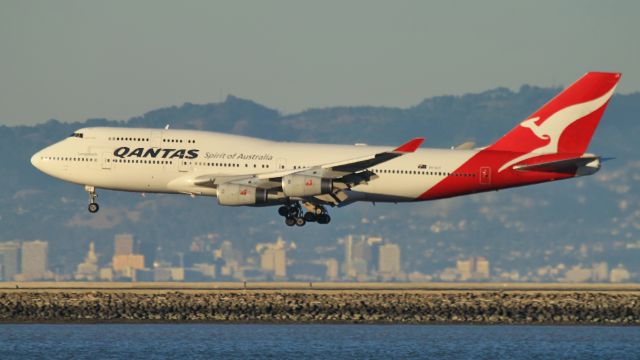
235, 195
303, 185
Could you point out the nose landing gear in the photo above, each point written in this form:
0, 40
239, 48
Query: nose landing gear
93, 205
294, 215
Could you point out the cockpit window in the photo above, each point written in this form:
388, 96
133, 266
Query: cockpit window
75, 134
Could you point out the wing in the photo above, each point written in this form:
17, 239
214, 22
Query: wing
346, 174
339, 169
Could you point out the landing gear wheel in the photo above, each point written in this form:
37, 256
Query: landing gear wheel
300, 221
310, 217
290, 221
283, 211
93, 208
324, 219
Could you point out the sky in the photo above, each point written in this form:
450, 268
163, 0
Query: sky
73, 60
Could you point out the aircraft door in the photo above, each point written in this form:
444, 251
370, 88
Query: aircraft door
106, 161
156, 138
281, 163
485, 175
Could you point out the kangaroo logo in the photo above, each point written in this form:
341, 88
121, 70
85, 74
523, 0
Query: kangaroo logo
552, 128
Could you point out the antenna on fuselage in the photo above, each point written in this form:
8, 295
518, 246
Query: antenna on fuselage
166, 127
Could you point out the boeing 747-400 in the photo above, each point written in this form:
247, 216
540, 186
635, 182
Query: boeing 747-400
305, 179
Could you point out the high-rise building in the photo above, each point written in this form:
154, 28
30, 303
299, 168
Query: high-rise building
8, 260
227, 253
274, 258
123, 244
125, 262
348, 257
473, 268
374, 243
482, 270
389, 260
332, 269
600, 272
465, 268
34, 259
359, 268
280, 263
362, 250
357, 257
88, 270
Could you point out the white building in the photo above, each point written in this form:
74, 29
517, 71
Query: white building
273, 257
88, 270
34, 260
389, 260
619, 274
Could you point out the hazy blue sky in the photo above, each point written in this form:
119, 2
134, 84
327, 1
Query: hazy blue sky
72, 60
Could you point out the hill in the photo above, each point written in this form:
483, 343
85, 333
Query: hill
582, 220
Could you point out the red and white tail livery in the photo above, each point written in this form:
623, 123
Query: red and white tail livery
305, 179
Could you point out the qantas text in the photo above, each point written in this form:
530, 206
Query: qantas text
124, 151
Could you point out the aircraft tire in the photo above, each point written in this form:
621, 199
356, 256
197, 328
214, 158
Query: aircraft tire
283, 211
324, 219
310, 217
290, 221
93, 208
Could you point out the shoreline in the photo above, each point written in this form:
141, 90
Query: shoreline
308, 306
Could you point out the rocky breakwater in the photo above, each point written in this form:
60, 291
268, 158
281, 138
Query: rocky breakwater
324, 307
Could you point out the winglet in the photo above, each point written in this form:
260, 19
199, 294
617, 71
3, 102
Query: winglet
410, 146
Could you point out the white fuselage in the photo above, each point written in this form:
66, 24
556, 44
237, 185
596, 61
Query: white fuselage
153, 160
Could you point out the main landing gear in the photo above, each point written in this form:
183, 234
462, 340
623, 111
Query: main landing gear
294, 215
93, 205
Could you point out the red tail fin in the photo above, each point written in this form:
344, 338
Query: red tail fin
567, 122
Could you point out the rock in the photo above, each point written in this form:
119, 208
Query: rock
346, 307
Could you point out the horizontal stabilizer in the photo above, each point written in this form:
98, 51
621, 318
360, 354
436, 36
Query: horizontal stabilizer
566, 166
465, 146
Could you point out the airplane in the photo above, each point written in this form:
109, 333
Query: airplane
304, 179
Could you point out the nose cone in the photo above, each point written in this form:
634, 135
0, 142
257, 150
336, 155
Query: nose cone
36, 160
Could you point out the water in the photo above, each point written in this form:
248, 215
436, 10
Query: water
208, 341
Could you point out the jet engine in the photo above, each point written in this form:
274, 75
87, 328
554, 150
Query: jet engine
304, 185
235, 194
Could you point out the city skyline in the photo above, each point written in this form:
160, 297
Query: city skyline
363, 258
